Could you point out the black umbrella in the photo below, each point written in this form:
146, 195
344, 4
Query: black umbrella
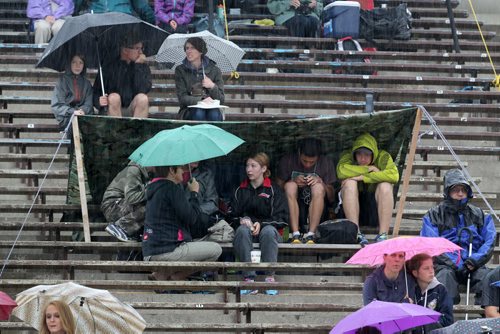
98, 37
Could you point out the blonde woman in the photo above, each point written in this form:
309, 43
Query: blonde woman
57, 319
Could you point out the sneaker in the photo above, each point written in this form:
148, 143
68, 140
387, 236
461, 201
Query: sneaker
309, 239
381, 237
295, 239
270, 279
362, 239
117, 232
249, 292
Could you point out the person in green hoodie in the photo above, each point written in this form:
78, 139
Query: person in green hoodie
368, 176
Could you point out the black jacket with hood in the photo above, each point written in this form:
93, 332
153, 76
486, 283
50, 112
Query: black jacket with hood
169, 217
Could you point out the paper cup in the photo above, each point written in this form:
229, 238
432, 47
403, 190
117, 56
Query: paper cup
255, 256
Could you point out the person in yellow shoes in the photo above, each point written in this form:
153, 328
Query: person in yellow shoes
368, 176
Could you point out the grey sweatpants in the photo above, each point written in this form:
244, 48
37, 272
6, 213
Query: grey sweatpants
191, 251
268, 239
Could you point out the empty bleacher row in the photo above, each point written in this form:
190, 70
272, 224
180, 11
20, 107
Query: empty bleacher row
315, 291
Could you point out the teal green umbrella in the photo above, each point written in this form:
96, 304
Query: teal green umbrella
186, 144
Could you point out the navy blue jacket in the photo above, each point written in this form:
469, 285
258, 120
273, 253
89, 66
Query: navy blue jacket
379, 287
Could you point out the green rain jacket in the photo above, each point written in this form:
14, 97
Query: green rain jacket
347, 166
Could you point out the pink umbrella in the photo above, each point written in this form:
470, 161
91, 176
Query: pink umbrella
373, 254
7, 304
387, 317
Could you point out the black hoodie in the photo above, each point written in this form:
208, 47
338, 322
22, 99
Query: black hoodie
169, 216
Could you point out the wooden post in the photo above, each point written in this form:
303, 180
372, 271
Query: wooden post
407, 172
81, 179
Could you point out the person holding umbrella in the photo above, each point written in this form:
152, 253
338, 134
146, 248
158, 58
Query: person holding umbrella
429, 292
57, 318
260, 210
169, 219
48, 17
72, 93
389, 282
465, 225
127, 81
198, 79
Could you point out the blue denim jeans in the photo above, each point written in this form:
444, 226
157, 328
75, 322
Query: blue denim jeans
199, 114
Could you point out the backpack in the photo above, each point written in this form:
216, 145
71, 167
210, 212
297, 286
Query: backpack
385, 23
338, 231
350, 44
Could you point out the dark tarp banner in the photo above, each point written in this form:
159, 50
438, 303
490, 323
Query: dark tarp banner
108, 141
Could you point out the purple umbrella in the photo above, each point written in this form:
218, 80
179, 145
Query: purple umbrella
387, 317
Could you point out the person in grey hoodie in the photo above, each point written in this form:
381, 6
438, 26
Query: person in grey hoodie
429, 292
72, 93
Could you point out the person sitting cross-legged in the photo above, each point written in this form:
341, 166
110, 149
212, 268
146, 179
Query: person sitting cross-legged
368, 176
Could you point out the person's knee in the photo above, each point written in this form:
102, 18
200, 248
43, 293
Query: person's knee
114, 100
196, 114
243, 231
214, 115
267, 232
291, 189
384, 189
318, 191
141, 100
349, 187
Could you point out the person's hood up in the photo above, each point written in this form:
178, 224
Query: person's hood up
68, 69
454, 177
366, 140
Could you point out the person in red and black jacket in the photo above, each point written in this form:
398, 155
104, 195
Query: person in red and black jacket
261, 210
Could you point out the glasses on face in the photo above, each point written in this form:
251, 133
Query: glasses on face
458, 189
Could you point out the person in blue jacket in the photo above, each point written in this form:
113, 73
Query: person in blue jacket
429, 292
462, 223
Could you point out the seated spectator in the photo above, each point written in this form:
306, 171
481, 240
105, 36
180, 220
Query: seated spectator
139, 8
169, 218
48, 17
174, 16
57, 318
260, 209
429, 292
460, 222
491, 294
207, 194
127, 81
368, 175
389, 283
307, 178
301, 17
198, 79
124, 203
72, 93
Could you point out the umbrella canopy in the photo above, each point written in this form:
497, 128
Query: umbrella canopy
497, 284
387, 317
95, 311
7, 304
97, 36
184, 145
477, 326
225, 53
373, 254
